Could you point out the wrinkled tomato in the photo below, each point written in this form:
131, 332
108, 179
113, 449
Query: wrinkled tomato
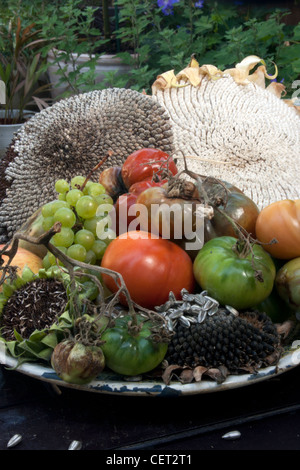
150, 266
142, 164
238, 207
280, 221
130, 352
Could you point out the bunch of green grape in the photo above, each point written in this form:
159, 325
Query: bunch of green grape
83, 211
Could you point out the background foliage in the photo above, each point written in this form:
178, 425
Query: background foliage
163, 35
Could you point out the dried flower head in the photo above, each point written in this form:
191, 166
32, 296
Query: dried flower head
70, 138
234, 127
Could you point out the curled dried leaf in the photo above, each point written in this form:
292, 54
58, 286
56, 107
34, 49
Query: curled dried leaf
241, 72
166, 80
277, 89
186, 376
193, 74
198, 373
219, 374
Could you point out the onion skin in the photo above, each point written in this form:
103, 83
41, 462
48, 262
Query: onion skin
288, 283
76, 363
111, 179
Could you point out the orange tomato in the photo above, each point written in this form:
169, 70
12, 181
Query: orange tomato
24, 258
281, 221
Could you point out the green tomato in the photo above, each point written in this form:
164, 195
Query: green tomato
275, 307
130, 353
232, 277
288, 283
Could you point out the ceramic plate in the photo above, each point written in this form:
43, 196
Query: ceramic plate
111, 383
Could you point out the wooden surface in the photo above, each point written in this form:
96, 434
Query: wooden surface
267, 414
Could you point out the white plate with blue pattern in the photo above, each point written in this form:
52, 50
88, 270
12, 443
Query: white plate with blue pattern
110, 383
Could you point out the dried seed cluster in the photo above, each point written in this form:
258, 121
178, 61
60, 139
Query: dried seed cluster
242, 134
193, 308
70, 138
35, 306
226, 339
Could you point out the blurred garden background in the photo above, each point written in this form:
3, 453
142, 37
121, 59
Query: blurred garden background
148, 37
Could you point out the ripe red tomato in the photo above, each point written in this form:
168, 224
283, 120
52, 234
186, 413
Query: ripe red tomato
150, 266
281, 221
137, 166
141, 186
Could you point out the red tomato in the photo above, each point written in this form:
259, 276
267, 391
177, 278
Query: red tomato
142, 164
150, 266
281, 221
141, 186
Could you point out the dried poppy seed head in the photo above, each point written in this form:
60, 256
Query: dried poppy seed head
69, 139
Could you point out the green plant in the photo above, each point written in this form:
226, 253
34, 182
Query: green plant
21, 68
155, 36
69, 31
166, 34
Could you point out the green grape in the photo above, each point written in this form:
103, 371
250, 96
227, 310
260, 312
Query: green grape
77, 252
86, 187
62, 196
46, 262
48, 223
99, 248
104, 209
62, 186
58, 204
91, 257
63, 238
103, 225
73, 196
96, 189
50, 259
86, 207
77, 182
104, 199
48, 209
91, 224
85, 238
65, 216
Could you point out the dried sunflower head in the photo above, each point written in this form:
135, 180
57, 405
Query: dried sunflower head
36, 313
70, 138
232, 126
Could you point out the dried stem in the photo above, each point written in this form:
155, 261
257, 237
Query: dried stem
109, 154
70, 265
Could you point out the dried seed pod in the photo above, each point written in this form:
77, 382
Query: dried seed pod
76, 363
249, 340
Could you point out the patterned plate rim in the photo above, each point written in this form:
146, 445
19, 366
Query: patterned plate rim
110, 383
